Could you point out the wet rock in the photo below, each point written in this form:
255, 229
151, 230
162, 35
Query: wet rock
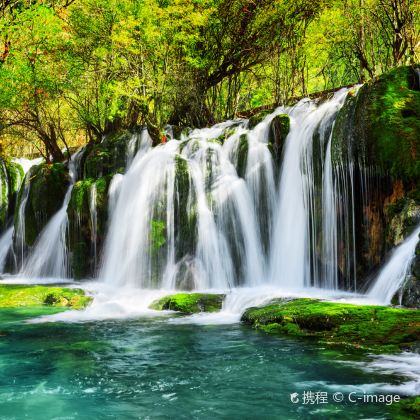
190, 303
48, 184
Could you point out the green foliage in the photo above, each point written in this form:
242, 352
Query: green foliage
28, 296
189, 303
74, 71
408, 408
377, 328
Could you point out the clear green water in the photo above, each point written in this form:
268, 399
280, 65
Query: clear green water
151, 368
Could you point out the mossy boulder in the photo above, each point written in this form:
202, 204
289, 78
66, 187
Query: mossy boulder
383, 121
375, 328
189, 303
242, 157
88, 221
110, 155
255, 119
278, 131
48, 184
11, 176
32, 296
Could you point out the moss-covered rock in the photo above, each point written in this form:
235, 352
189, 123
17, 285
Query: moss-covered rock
255, 119
88, 220
28, 296
402, 217
279, 129
110, 155
375, 148
408, 408
384, 124
48, 184
189, 303
376, 328
185, 217
242, 157
11, 176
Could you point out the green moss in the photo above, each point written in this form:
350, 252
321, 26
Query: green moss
377, 328
258, 117
189, 303
48, 186
408, 408
107, 157
383, 124
242, 155
279, 129
81, 239
157, 234
185, 217
28, 296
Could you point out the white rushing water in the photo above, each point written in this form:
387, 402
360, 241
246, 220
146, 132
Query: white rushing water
6, 241
395, 271
245, 230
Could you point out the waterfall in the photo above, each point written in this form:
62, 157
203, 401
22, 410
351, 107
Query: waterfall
49, 256
395, 271
19, 233
216, 209
186, 215
20, 230
6, 241
293, 260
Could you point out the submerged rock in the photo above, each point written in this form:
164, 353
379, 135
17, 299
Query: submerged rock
376, 328
190, 303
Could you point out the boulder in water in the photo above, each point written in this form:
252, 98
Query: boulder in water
190, 303
375, 328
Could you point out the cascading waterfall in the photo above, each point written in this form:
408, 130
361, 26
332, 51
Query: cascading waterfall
293, 260
219, 229
213, 211
49, 256
395, 271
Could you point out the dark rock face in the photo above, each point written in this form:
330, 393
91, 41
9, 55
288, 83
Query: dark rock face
109, 156
375, 149
279, 129
11, 176
88, 218
409, 293
47, 187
